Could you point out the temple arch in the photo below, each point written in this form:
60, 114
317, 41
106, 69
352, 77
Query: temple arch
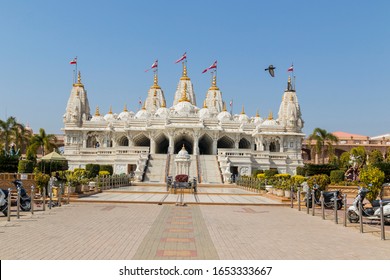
244, 144
186, 140
141, 140
225, 142
162, 144
205, 145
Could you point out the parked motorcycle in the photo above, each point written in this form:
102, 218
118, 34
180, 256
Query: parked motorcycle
25, 199
3, 201
328, 198
374, 211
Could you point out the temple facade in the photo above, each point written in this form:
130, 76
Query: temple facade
220, 145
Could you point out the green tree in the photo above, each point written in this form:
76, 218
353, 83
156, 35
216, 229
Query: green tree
44, 141
359, 156
373, 178
375, 157
323, 139
344, 160
8, 130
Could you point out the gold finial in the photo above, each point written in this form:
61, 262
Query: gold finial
243, 111
155, 82
163, 105
143, 106
184, 94
224, 107
97, 113
125, 108
214, 83
204, 104
110, 112
270, 116
155, 93
184, 75
79, 83
257, 114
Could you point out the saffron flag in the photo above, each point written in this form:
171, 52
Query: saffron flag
183, 57
291, 68
154, 65
212, 66
74, 61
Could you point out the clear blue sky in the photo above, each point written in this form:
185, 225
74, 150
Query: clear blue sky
340, 51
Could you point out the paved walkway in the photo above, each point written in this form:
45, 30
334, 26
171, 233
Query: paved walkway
152, 231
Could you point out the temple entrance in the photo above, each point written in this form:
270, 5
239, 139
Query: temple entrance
141, 140
244, 144
162, 144
225, 142
205, 145
186, 141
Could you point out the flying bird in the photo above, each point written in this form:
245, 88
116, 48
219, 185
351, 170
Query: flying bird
271, 71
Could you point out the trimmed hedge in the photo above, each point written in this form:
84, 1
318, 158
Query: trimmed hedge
92, 170
107, 167
336, 176
316, 169
26, 166
270, 173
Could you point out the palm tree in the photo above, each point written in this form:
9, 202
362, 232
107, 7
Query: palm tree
7, 130
322, 138
44, 141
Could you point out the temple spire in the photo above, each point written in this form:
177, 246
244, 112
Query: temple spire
243, 111
257, 114
79, 83
224, 107
155, 81
125, 108
97, 113
184, 75
184, 94
214, 83
204, 104
270, 116
110, 112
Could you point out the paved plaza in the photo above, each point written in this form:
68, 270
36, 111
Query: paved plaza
143, 231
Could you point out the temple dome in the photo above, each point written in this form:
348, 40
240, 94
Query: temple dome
224, 115
204, 113
162, 112
125, 115
97, 117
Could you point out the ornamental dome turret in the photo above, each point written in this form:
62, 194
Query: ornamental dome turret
224, 115
163, 111
109, 116
184, 107
97, 117
184, 82
183, 153
125, 115
204, 113
243, 117
257, 119
142, 114
270, 122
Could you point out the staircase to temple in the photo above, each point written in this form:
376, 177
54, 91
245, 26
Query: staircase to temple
209, 169
155, 172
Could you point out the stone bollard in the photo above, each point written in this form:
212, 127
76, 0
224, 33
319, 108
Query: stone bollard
18, 204
32, 200
382, 220
9, 206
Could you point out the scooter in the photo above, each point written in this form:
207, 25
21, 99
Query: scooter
3, 201
374, 211
25, 199
328, 198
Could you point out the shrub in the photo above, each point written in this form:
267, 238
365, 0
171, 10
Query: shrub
316, 169
336, 176
373, 178
260, 176
104, 173
322, 180
283, 176
270, 173
298, 179
385, 167
301, 170
26, 166
106, 167
256, 172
